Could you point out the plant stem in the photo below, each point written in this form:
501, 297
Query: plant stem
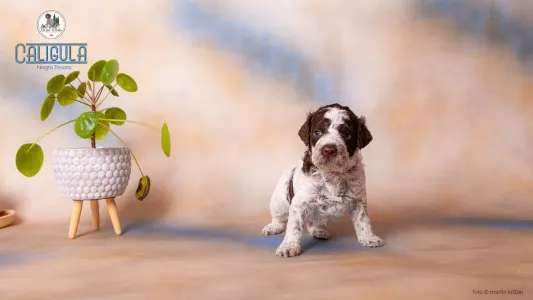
98, 94
83, 96
57, 127
109, 92
93, 108
93, 136
128, 121
92, 90
124, 143
83, 103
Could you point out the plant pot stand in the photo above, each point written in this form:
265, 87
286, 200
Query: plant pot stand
92, 174
77, 206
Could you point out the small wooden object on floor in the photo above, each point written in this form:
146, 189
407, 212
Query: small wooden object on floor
95, 214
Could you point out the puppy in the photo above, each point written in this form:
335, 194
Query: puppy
329, 181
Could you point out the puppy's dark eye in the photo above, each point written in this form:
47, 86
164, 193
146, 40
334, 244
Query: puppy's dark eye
346, 134
318, 133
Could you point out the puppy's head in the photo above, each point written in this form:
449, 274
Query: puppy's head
333, 134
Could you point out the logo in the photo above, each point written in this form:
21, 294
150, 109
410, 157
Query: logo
51, 24
51, 56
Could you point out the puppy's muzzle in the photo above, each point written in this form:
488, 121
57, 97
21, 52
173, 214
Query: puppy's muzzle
329, 151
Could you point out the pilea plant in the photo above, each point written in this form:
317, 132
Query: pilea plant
93, 125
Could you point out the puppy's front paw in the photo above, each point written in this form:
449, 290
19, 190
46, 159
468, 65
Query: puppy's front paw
273, 228
319, 233
371, 241
288, 249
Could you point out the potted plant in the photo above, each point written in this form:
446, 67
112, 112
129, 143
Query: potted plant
95, 173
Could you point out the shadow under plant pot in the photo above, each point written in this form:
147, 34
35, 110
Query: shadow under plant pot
92, 174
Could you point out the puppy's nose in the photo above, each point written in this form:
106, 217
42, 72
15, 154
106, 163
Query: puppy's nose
329, 150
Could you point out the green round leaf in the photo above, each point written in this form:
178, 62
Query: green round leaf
112, 90
72, 76
101, 132
82, 88
102, 128
165, 139
48, 105
67, 96
143, 188
95, 71
110, 71
89, 86
85, 124
115, 113
29, 159
126, 83
55, 84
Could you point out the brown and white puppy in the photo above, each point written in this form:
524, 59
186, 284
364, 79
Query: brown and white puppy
328, 182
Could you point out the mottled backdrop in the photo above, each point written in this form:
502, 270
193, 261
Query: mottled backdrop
445, 86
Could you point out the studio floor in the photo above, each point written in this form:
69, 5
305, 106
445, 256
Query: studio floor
422, 260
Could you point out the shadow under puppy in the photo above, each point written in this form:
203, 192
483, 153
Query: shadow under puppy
329, 181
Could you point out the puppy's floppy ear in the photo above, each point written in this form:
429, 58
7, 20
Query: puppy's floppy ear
305, 130
364, 137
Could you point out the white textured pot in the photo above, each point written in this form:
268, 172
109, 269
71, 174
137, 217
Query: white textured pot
92, 173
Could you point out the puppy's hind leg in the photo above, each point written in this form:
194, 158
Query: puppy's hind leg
279, 209
279, 205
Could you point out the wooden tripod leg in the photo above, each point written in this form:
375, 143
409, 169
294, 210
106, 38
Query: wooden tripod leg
95, 214
113, 214
75, 218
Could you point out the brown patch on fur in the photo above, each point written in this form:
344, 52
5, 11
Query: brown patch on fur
312, 123
364, 137
307, 163
305, 129
361, 136
305, 133
291, 188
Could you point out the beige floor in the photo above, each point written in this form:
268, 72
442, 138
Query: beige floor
421, 261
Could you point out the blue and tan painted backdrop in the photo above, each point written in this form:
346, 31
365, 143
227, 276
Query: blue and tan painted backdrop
445, 85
